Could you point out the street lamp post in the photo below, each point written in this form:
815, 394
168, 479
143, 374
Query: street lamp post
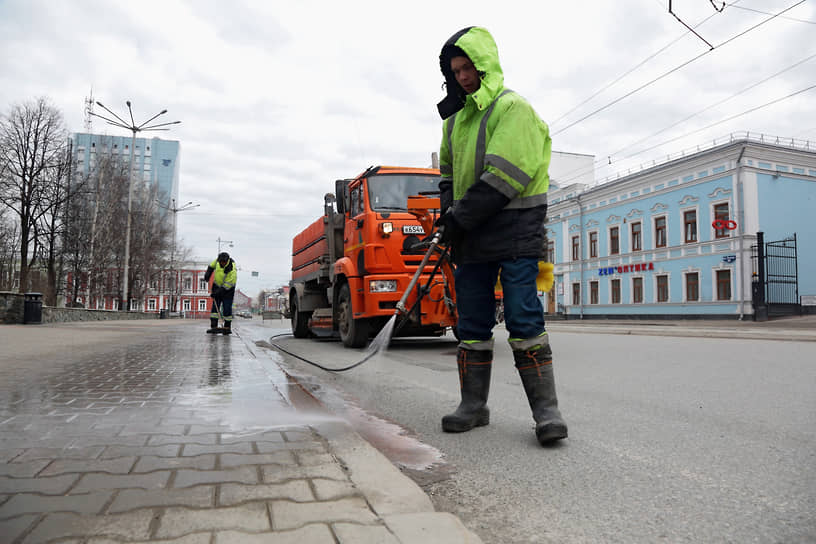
134, 128
220, 241
175, 209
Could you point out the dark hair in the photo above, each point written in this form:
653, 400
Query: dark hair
223, 256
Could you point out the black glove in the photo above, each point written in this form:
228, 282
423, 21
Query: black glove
452, 232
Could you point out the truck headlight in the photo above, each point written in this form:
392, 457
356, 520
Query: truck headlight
387, 228
382, 286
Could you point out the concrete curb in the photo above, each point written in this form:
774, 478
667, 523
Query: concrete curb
404, 507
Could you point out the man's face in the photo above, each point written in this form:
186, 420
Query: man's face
466, 74
223, 263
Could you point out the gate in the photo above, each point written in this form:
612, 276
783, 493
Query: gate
775, 287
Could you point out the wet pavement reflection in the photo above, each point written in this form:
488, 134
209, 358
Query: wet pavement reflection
171, 380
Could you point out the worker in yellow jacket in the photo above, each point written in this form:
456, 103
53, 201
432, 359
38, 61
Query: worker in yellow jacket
224, 272
494, 160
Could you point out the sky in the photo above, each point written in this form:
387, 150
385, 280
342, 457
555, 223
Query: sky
277, 100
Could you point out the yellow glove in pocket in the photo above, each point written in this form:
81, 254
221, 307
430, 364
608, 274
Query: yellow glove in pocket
545, 278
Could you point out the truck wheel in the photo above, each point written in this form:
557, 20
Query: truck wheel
353, 332
300, 320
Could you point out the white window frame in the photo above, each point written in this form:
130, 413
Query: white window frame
202, 285
654, 230
696, 210
186, 304
642, 289
715, 293
620, 286
668, 287
187, 283
202, 305
597, 244
609, 239
712, 231
151, 304
685, 273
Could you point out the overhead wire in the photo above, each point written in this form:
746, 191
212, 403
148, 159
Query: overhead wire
583, 170
721, 121
675, 69
641, 63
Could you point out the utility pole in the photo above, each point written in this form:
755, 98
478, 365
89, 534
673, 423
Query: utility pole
134, 129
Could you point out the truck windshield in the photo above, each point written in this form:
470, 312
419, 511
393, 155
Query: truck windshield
391, 192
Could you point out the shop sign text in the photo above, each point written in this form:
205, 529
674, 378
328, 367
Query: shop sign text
625, 269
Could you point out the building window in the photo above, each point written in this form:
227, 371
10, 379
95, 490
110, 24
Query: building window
186, 305
721, 214
723, 285
637, 290
550, 251
690, 226
134, 305
614, 241
615, 287
692, 287
151, 304
202, 305
202, 285
662, 288
576, 248
593, 292
593, 245
154, 284
576, 294
636, 237
660, 231
188, 284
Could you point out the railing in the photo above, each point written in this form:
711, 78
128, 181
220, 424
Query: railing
757, 137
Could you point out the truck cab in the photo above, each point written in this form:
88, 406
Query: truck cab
351, 267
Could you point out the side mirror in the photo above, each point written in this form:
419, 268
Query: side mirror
341, 191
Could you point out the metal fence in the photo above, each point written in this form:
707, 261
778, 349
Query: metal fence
775, 277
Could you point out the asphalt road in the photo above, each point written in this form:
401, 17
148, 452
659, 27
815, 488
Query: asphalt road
672, 439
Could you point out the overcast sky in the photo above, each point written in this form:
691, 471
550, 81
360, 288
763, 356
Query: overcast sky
279, 99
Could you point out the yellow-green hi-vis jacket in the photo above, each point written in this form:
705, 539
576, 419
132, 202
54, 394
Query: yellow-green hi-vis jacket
494, 158
223, 276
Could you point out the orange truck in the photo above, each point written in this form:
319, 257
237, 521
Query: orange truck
352, 265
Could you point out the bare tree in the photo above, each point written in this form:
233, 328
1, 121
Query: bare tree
33, 139
9, 242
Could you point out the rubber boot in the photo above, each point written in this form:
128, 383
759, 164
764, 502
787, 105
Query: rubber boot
227, 327
474, 382
536, 371
213, 326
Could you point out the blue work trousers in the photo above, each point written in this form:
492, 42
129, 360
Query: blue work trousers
476, 303
226, 309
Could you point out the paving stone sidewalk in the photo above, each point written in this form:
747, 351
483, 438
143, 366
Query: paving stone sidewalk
167, 435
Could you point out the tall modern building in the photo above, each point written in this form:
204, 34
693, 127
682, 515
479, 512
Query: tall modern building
155, 161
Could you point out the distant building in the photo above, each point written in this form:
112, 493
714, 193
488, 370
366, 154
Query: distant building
241, 301
190, 296
679, 239
155, 161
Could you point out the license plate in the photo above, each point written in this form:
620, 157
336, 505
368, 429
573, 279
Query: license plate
412, 229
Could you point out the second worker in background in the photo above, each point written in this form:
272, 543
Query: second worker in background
494, 161
224, 272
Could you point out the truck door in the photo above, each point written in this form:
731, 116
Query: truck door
353, 234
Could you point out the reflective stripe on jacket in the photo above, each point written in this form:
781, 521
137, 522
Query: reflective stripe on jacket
494, 160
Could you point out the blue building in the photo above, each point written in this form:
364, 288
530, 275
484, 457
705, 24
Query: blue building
155, 161
679, 239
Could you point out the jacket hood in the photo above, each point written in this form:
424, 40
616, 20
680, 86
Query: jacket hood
479, 46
